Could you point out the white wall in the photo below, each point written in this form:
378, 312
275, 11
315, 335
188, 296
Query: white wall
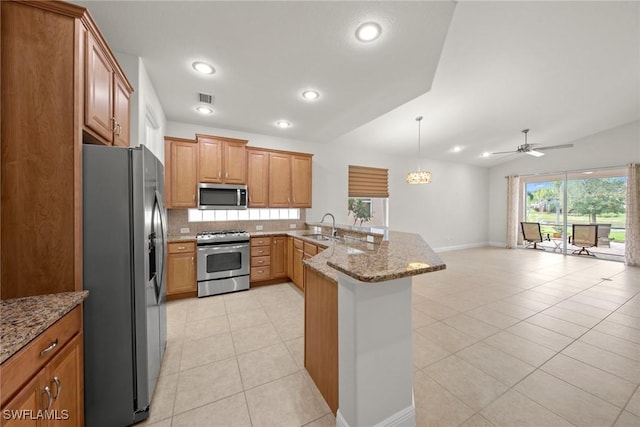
449, 213
145, 106
613, 147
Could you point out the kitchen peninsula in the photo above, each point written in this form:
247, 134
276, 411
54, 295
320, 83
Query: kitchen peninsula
357, 296
358, 300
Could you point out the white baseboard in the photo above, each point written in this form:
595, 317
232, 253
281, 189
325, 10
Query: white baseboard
404, 418
460, 247
498, 244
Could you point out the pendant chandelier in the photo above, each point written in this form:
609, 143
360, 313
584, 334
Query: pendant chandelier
419, 177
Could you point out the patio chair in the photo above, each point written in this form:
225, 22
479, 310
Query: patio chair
532, 234
603, 235
585, 236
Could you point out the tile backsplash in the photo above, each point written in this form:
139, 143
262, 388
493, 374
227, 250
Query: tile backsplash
178, 219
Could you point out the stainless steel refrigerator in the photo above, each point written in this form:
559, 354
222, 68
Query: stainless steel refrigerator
124, 246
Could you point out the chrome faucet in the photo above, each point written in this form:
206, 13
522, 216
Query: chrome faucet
333, 223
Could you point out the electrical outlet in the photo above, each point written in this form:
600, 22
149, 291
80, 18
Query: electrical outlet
259, 227
184, 230
370, 239
292, 226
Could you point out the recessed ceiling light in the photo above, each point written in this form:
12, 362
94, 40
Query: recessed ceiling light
310, 95
588, 172
456, 149
369, 31
203, 67
283, 124
204, 110
486, 154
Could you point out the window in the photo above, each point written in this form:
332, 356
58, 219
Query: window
197, 215
368, 196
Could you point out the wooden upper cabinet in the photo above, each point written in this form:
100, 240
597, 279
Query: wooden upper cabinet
235, 162
289, 180
279, 180
98, 91
181, 177
107, 93
222, 160
258, 178
121, 113
300, 181
210, 167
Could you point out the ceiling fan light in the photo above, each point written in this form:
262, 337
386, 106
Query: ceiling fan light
419, 177
534, 153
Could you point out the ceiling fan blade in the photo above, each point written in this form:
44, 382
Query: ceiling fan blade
553, 147
504, 152
534, 153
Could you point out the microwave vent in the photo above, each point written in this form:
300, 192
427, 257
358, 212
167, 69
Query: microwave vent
206, 98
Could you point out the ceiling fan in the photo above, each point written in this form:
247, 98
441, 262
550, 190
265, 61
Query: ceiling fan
531, 150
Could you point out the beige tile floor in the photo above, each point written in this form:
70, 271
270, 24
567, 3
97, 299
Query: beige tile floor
501, 338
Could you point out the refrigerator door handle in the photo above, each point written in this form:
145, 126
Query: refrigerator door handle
163, 233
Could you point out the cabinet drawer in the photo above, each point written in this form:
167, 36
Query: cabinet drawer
181, 247
310, 249
297, 243
260, 273
260, 241
258, 261
260, 251
18, 369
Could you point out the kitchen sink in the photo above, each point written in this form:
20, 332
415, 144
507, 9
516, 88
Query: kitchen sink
317, 236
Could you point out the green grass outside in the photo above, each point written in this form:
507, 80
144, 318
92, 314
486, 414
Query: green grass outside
547, 220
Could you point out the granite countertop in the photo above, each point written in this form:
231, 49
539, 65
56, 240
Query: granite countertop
391, 255
182, 238
402, 255
23, 319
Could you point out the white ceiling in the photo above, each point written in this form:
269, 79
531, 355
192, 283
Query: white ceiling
479, 72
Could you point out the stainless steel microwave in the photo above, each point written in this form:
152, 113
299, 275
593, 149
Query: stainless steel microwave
222, 196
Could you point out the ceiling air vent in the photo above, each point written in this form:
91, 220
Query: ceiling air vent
206, 98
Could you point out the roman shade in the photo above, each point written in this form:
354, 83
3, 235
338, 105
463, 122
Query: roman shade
368, 182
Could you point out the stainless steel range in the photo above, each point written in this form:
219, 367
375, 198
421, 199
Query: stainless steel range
223, 262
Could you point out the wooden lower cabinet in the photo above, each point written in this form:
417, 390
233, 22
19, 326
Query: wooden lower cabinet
278, 257
181, 270
289, 256
28, 401
268, 259
298, 266
43, 383
321, 334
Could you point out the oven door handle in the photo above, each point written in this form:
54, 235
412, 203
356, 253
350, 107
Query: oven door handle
221, 248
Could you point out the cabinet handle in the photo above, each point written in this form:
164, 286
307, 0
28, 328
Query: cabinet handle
49, 402
193, 197
226, 175
288, 199
193, 260
113, 127
118, 129
53, 345
219, 174
181, 247
58, 384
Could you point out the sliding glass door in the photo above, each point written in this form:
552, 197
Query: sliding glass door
593, 197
